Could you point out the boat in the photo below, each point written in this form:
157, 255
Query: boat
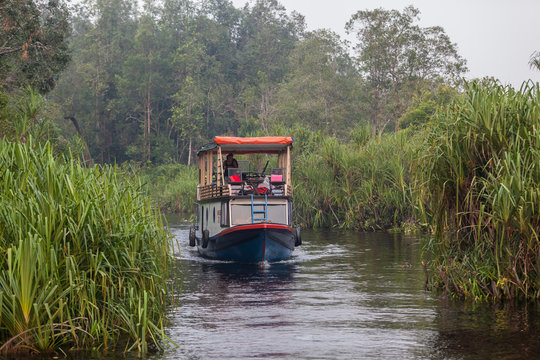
244, 213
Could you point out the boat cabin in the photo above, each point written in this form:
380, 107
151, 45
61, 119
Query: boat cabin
246, 194
245, 210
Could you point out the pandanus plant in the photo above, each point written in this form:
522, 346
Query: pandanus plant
480, 183
84, 258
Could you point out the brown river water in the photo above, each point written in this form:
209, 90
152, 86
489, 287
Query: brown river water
343, 295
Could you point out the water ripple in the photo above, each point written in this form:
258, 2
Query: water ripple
342, 296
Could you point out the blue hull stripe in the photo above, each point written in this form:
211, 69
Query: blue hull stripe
250, 245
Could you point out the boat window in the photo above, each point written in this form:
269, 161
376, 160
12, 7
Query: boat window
241, 213
214, 214
289, 211
224, 213
202, 218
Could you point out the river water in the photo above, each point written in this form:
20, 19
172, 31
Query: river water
343, 295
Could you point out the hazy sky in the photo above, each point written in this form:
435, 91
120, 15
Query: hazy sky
496, 37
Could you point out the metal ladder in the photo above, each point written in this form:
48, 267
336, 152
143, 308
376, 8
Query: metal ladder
265, 211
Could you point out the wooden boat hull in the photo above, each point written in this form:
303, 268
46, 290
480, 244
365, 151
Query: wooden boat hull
250, 243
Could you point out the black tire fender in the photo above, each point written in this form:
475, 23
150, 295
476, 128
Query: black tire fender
298, 241
205, 237
192, 235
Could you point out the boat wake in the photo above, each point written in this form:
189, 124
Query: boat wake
304, 253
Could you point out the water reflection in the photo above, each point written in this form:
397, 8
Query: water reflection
342, 296
246, 285
231, 273
480, 331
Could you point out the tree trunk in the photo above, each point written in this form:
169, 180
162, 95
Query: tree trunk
88, 161
148, 109
189, 153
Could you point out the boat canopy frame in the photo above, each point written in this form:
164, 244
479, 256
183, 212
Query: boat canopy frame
210, 157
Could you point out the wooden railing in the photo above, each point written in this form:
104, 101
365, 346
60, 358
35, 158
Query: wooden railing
288, 190
213, 191
207, 192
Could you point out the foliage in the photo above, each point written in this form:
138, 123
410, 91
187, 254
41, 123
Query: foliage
34, 45
84, 259
399, 58
424, 106
148, 86
479, 189
26, 113
362, 185
534, 62
172, 187
320, 90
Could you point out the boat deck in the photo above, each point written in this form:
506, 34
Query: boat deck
214, 191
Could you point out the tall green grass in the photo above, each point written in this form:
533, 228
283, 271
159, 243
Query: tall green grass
362, 184
172, 188
83, 257
480, 188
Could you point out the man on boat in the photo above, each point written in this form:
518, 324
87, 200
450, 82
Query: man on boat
229, 163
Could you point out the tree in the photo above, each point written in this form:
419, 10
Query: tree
534, 62
396, 56
104, 32
267, 35
142, 83
424, 105
203, 100
33, 43
187, 113
320, 90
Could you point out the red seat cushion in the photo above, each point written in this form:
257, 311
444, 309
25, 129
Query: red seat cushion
262, 190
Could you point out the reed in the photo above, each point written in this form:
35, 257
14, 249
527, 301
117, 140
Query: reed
479, 186
84, 258
362, 184
172, 187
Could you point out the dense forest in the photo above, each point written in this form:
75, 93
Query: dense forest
150, 83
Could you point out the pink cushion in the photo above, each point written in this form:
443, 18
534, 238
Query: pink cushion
235, 178
276, 178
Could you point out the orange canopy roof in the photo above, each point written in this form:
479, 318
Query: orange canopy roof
221, 140
249, 145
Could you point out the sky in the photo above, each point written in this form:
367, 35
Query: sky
496, 37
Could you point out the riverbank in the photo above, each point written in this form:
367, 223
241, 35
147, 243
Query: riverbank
470, 176
85, 259
480, 176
